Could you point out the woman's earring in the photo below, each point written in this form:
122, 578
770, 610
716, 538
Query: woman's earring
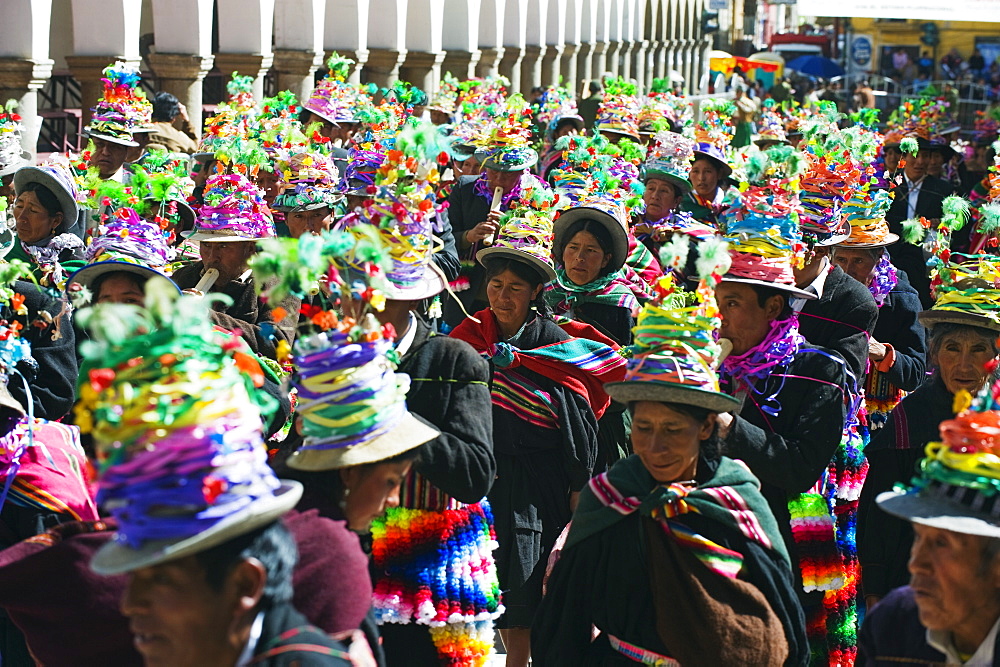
343, 499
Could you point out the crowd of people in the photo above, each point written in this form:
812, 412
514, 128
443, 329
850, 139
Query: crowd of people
373, 377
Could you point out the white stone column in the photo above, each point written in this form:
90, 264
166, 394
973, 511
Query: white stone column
423, 70
25, 64
183, 50
510, 66
568, 67
245, 39
298, 43
104, 31
182, 76
346, 33
550, 65
531, 67
489, 62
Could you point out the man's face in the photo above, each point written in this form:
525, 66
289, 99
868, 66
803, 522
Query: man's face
744, 321
468, 167
108, 157
858, 264
935, 163
313, 221
916, 165
502, 179
954, 588
229, 258
176, 618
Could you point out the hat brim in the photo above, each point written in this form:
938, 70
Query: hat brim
486, 162
107, 137
683, 183
544, 270
929, 318
619, 237
727, 171
329, 118
408, 434
937, 512
216, 237
889, 239
23, 160
116, 557
7, 239
187, 213
91, 272
792, 291
202, 157
664, 392
430, 284
29, 174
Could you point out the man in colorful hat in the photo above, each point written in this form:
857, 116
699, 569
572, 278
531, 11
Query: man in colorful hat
229, 225
114, 120
950, 612
210, 570
916, 195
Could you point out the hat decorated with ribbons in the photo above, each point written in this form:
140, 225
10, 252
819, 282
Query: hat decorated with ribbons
557, 105
771, 127
123, 106
162, 180
526, 233
177, 418
605, 209
308, 180
445, 99
401, 206
334, 99
124, 241
505, 144
12, 155
669, 159
232, 120
351, 405
714, 132
234, 210
482, 98
675, 354
834, 174
765, 241
618, 112
661, 110
957, 485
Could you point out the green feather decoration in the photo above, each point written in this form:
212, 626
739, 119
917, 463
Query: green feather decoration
239, 85
990, 220
955, 213
913, 231
339, 66
909, 146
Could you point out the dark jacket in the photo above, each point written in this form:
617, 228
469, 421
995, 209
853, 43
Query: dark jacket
884, 540
898, 326
892, 635
53, 382
288, 640
906, 256
247, 312
449, 388
790, 451
466, 209
841, 320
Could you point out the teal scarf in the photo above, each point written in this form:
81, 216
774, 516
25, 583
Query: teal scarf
612, 289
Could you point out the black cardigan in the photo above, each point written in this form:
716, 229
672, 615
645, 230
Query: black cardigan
883, 540
897, 325
449, 388
851, 307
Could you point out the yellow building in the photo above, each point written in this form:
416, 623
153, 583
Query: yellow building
889, 34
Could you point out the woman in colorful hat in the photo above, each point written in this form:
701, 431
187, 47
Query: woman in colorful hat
547, 398
665, 174
962, 354
950, 610
45, 215
682, 501
711, 193
589, 249
12, 155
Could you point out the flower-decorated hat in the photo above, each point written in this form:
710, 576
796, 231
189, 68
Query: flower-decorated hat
558, 106
231, 122
120, 110
234, 210
334, 99
833, 176
526, 234
606, 210
669, 158
401, 207
763, 232
12, 155
865, 212
308, 180
619, 110
351, 402
162, 180
175, 411
957, 486
661, 111
445, 99
714, 132
771, 128
504, 145
675, 354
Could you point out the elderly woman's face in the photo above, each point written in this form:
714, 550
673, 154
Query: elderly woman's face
660, 198
961, 360
955, 589
668, 441
32, 221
